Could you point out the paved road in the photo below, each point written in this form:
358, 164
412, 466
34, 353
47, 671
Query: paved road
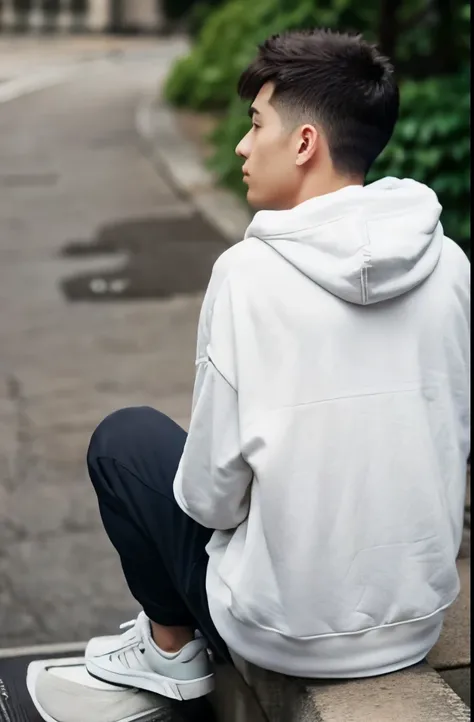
80, 205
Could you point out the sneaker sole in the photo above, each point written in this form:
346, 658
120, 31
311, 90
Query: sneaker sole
181, 690
34, 668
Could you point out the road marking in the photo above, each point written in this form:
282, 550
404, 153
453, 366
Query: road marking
41, 649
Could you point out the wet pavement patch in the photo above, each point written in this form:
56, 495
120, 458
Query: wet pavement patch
165, 257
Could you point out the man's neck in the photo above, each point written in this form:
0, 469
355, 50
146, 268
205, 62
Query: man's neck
315, 189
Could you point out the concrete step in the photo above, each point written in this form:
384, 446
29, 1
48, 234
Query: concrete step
460, 681
418, 694
454, 647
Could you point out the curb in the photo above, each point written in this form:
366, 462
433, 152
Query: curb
177, 160
40, 650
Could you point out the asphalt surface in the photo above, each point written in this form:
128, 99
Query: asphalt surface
84, 217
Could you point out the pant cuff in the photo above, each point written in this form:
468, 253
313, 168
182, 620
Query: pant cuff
168, 617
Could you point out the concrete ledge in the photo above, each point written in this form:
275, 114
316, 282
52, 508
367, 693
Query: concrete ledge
460, 681
454, 646
415, 695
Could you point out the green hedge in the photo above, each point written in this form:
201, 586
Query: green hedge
177, 9
206, 78
431, 142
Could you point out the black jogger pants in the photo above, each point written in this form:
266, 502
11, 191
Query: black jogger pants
132, 459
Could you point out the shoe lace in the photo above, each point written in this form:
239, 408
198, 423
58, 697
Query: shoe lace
131, 636
127, 625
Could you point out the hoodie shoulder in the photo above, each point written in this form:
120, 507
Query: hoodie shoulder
238, 254
456, 256
226, 266
455, 267
233, 259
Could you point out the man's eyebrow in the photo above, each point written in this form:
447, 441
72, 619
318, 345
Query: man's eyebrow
253, 111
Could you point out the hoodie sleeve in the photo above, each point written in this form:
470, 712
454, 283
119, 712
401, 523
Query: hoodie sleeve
213, 480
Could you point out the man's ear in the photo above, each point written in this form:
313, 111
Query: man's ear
308, 139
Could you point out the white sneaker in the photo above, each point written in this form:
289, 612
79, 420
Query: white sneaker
133, 659
63, 691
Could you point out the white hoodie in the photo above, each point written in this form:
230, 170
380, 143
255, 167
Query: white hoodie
330, 432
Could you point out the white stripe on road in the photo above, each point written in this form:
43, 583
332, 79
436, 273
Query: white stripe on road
41, 649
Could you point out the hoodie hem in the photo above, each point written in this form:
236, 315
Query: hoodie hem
376, 652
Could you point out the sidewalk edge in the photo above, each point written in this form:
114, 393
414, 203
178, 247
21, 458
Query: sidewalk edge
43, 649
176, 158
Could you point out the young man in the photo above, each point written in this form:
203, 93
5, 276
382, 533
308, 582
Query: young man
311, 519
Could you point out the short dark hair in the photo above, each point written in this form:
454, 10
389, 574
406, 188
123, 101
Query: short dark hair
338, 81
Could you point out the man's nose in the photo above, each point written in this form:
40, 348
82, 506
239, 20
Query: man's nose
239, 150
242, 150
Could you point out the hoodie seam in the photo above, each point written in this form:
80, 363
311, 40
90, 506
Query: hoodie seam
346, 397
221, 374
331, 635
343, 216
367, 263
285, 234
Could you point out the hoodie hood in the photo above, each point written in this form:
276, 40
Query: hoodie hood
364, 244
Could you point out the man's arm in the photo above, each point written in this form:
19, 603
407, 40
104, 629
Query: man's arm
212, 484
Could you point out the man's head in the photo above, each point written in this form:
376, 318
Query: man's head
324, 106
